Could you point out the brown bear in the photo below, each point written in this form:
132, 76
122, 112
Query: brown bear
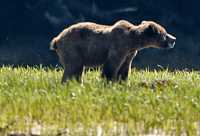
114, 47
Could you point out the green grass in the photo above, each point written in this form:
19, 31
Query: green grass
159, 100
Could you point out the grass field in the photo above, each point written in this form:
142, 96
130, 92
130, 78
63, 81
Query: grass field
32, 100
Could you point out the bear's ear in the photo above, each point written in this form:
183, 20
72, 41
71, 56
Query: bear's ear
150, 30
143, 22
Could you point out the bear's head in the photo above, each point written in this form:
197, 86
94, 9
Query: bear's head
154, 35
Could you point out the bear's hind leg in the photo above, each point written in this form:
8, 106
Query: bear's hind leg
72, 72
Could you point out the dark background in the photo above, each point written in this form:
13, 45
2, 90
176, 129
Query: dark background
27, 27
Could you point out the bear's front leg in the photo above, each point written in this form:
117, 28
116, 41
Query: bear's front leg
126, 66
112, 65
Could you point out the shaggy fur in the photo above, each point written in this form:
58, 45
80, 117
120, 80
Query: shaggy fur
113, 47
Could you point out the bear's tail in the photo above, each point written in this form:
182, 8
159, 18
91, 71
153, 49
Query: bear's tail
53, 45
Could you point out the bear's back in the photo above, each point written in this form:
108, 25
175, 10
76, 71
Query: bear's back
84, 28
88, 26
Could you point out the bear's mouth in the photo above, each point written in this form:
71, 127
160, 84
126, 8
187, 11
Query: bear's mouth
171, 45
171, 40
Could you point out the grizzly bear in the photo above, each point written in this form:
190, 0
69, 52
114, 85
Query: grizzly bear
89, 44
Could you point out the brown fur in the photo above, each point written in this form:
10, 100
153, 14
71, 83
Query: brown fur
90, 44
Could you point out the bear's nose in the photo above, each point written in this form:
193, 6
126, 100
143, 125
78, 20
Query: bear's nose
171, 38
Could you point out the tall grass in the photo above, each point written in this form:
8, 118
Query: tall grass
161, 101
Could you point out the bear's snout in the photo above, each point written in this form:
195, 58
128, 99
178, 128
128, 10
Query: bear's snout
170, 40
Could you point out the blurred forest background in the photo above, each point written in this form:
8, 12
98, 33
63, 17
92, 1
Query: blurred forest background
27, 27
